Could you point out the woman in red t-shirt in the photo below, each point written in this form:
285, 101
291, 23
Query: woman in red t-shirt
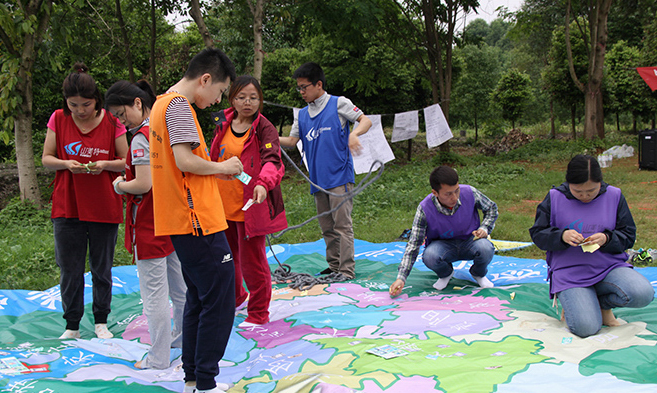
87, 147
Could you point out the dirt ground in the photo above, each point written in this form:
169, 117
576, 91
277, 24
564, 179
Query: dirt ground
9, 182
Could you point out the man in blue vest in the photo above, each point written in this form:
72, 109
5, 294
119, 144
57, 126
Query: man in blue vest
323, 128
448, 219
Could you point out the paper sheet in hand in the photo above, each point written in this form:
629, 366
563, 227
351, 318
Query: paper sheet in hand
374, 147
438, 131
589, 247
295, 113
405, 127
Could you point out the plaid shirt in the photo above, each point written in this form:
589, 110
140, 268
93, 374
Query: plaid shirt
418, 232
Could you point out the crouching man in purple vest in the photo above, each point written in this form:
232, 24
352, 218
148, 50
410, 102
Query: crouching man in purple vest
448, 219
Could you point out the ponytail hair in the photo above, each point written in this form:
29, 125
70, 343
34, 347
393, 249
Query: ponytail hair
80, 84
124, 93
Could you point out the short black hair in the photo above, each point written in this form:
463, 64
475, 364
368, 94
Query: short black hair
211, 61
124, 93
311, 71
80, 84
443, 175
583, 168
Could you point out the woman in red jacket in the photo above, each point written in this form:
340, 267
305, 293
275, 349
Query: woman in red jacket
242, 131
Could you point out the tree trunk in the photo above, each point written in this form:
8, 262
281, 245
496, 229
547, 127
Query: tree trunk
553, 129
197, 15
573, 120
257, 10
593, 109
633, 123
126, 41
152, 49
476, 127
617, 122
27, 180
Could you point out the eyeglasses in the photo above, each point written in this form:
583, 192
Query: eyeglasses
303, 87
243, 100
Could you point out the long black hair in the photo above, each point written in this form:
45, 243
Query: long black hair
583, 168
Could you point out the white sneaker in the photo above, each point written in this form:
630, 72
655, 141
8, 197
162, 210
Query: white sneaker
442, 282
213, 390
102, 331
192, 389
189, 389
70, 334
483, 282
247, 325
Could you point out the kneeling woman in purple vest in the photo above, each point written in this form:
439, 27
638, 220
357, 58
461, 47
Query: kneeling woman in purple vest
585, 226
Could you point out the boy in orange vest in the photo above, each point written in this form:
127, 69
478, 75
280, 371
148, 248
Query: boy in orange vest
187, 206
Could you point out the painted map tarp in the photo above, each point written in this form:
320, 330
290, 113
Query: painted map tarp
348, 337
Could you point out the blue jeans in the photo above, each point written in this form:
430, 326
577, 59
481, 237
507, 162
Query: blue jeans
622, 287
440, 254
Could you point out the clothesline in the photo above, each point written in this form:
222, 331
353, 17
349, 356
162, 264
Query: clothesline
375, 146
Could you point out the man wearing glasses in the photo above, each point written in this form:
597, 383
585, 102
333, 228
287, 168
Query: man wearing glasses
323, 128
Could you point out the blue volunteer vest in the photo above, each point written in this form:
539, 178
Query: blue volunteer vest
326, 145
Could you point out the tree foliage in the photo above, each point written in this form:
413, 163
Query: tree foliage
479, 72
512, 94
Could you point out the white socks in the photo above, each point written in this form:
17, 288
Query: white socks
70, 334
102, 331
220, 388
483, 282
442, 282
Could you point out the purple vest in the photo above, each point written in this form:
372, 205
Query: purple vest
572, 267
457, 226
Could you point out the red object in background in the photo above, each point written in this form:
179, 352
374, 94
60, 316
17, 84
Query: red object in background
649, 74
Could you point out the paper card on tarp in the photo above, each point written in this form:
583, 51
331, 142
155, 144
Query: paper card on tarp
649, 74
438, 131
374, 147
405, 127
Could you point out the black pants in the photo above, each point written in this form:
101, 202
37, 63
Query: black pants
208, 269
72, 237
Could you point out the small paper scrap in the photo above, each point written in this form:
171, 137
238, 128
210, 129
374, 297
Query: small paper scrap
387, 352
590, 247
248, 204
243, 177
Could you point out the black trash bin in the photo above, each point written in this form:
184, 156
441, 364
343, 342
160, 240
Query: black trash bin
648, 149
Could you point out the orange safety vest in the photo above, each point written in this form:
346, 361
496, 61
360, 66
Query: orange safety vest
172, 213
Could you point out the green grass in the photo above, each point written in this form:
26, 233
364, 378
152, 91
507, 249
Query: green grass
517, 181
27, 248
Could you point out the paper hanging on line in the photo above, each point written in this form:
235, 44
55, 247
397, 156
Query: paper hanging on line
374, 147
406, 126
295, 113
438, 131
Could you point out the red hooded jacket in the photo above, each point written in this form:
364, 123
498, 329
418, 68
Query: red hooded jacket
261, 158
